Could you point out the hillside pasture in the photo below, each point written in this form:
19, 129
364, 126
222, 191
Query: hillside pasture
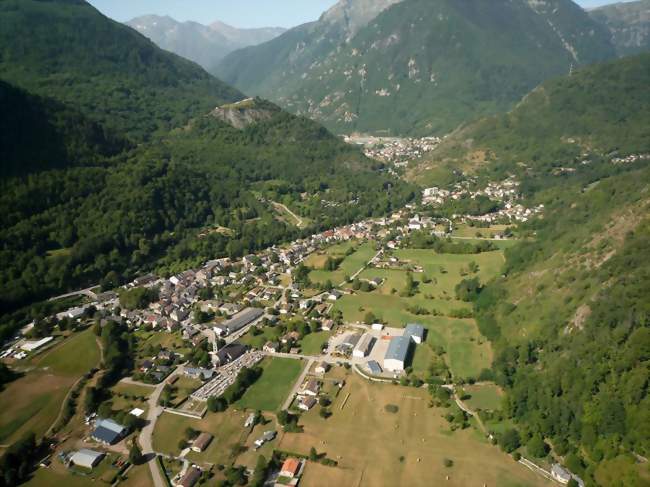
33, 402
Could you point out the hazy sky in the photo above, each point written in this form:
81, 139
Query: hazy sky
239, 13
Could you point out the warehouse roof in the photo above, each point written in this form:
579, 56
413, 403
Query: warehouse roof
398, 348
365, 344
86, 458
240, 320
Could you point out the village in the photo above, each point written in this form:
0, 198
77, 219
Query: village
231, 316
394, 150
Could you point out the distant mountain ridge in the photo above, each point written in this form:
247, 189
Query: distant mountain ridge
629, 23
206, 45
417, 66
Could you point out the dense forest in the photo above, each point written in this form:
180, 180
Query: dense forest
90, 189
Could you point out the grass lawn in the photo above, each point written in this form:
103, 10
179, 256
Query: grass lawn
272, 388
368, 442
172, 341
32, 403
311, 344
227, 428
486, 397
269, 333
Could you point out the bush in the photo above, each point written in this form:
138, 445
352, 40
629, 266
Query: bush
391, 408
447, 462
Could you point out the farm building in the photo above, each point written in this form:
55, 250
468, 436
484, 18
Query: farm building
201, 442
364, 346
108, 431
86, 458
322, 367
311, 388
397, 353
415, 332
290, 468
30, 346
190, 478
306, 403
237, 322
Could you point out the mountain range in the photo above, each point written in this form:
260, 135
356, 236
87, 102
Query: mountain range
115, 159
417, 66
206, 45
629, 24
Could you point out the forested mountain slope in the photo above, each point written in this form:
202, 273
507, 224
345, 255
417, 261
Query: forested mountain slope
79, 200
206, 45
38, 134
569, 318
421, 66
629, 24
67, 50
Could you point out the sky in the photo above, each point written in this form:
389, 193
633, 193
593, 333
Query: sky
238, 13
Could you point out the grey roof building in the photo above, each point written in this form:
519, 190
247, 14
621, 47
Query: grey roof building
364, 346
415, 332
397, 353
231, 352
107, 431
239, 321
87, 458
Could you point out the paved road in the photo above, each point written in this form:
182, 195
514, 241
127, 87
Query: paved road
146, 435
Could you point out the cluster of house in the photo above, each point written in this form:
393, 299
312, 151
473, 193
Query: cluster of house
506, 192
632, 158
394, 150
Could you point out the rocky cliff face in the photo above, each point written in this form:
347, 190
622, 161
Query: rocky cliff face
244, 113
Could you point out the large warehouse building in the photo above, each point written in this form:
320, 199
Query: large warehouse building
397, 354
237, 322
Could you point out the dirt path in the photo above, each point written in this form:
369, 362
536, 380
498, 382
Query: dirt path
299, 221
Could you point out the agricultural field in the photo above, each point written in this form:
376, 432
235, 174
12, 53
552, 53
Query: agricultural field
33, 402
271, 389
463, 230
403, 448
350, 264
227, 428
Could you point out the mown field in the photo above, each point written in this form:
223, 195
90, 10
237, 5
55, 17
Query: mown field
368, 446
484, 396
350, 264
271, 389
227, 428
33, 402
